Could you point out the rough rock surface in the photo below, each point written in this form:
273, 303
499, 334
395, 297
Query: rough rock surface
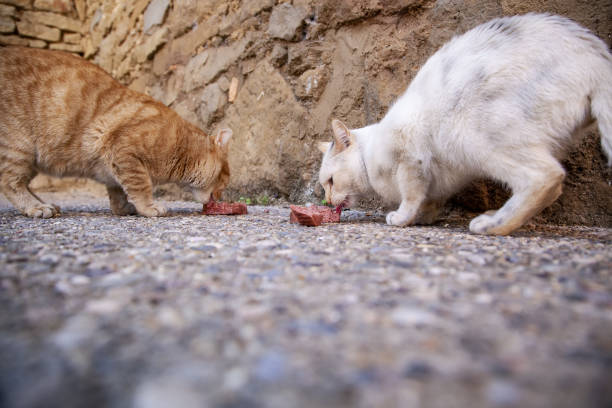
53, 24
252, 311
154, 13
285, 21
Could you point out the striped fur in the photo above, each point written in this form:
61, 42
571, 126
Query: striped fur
63, 116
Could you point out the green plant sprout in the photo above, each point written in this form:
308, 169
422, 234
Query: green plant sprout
263, 200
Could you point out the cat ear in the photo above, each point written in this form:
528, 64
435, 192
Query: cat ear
342, 136
223, 137
323, 146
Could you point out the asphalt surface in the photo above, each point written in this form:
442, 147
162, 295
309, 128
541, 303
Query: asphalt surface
252, 311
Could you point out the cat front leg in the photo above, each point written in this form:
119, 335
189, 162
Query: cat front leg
136, 182
119, 203
413, 193
404, 215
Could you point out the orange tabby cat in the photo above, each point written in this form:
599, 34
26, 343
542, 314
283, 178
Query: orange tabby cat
64, 116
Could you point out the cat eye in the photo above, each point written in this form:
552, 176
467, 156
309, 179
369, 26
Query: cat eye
331, 181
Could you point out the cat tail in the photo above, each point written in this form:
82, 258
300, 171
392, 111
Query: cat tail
601, 108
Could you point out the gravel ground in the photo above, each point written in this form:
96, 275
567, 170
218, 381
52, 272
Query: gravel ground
251, 311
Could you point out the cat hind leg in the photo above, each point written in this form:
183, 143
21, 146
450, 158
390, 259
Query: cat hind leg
534, 188
601, 107
14, 185
429, 211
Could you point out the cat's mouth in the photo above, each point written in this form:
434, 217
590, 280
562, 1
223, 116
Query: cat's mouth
202, 196
343, 204
214, 196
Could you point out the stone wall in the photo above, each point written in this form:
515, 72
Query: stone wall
278, 71
53, 24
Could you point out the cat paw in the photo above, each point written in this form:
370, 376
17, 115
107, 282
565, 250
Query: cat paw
485, 223
155, 210
126, 209
427, 218
42, 211
398, 219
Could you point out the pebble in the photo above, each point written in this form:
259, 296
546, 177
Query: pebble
235, 379
164, 394
75, 333
82, 259
413, 317
271, 366
502, 393
418, 370
170, 318
103, 306
63, 287
80, 280
50, 259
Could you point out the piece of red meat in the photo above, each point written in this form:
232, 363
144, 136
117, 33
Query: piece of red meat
221, 208
313, 216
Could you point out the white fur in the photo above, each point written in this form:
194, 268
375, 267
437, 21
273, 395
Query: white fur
501, 101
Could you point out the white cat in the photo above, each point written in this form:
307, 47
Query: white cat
501, 101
